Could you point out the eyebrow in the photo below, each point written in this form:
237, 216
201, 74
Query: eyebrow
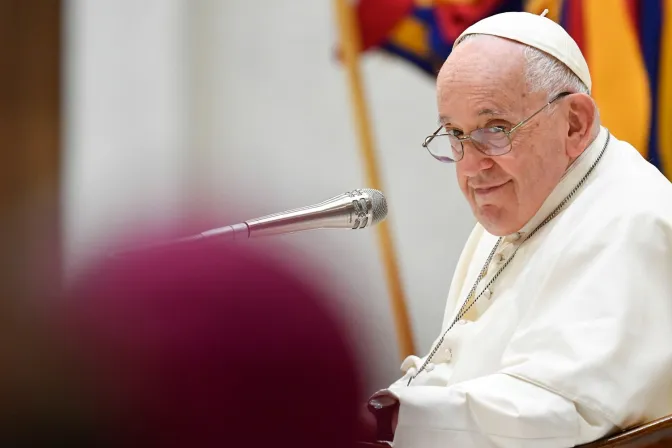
492, 112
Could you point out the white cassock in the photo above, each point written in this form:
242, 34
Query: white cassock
574, 338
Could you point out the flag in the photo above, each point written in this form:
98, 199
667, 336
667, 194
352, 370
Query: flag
627, 44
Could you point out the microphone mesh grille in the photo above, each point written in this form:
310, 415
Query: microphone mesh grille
379, 204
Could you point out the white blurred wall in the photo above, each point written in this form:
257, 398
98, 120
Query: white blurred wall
243, 104
126, 120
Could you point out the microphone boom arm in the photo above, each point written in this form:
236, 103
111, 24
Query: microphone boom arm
357, 209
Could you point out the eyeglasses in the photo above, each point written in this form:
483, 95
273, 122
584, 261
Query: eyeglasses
492, 141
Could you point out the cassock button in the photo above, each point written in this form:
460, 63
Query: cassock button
499, 258
515, 236
448, 354
462, 322
430, 367
487, 294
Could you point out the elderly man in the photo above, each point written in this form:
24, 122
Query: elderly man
558, 324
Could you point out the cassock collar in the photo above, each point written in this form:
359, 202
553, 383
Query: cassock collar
572, 176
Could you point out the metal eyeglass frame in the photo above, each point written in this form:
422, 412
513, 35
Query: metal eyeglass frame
508, 133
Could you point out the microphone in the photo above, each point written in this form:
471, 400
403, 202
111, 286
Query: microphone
356, 209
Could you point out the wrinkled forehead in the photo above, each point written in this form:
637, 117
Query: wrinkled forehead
471, 98
486, 74
474, 110
486, 60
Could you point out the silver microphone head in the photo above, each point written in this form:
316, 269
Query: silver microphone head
378, 205
370, 207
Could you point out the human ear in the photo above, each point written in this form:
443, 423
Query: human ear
581, 116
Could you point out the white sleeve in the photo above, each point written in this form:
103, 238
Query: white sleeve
493, 411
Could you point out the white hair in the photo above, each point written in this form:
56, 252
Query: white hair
545, 73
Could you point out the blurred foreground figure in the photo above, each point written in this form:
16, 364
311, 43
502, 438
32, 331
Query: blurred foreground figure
211, 346
558, 323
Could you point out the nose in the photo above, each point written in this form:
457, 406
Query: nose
474, 161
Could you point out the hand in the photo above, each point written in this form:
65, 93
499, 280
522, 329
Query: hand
385, 407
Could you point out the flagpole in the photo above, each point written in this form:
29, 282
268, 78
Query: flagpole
350, 48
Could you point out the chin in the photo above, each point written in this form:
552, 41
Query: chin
496, 230
493, 220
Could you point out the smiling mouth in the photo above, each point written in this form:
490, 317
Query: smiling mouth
488, 190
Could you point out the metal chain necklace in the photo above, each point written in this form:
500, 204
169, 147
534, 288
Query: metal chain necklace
468, 303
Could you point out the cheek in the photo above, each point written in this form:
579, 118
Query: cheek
535, 172
526, 159
526, 173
